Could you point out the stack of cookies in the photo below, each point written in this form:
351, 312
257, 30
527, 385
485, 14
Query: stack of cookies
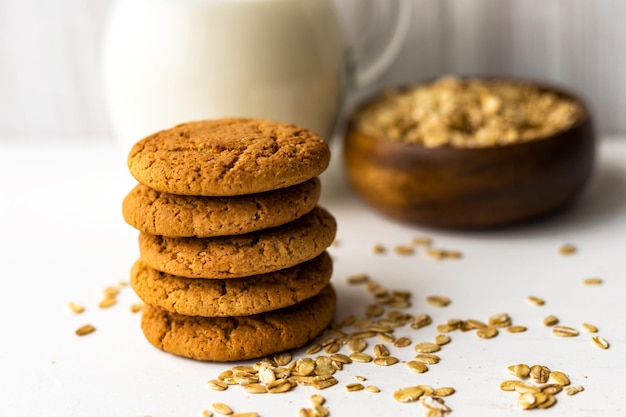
233, 263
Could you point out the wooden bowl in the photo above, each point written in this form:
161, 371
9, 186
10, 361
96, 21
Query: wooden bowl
471, 188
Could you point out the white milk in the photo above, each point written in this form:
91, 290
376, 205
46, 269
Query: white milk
171, 61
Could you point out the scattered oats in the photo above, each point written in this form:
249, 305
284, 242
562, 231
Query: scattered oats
328, 341
76, 308
386, 360
473, 324
536, 300
363, 323
374, 310
305, 366
560, 378
323, 366
341, 358
378, 328
487, 332
427, 347
266, 374
408, 394
207, 413
434, 413
508, 385
539, 373
593, 281
225, 375
434, 403
321, 411
446, 328
573, 390
279, 386
85, 330
217, 385
379, 249
600, 342
524, 388
332, 348
427, 358
438, 301
549, 401
550, 321
444, 254
381, 350
402, 342
221, 408
364, 334
313, 349
386, 337
404, 250
428, 390
564, 331
357, 345
417, 366
325, 383
111, 291
107, 302
255, 388
444, 391
500, 320
516, 329
422, 241
317, 399
567, 249
442, 339
358, 279
520, 370
360, 357
372, 388
589, 328
551, 389
136, 307
245, 415
354, 387
420, 321
526, 401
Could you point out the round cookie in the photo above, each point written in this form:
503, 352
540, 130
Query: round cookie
172, 215
240, 256
231, 297
226, 157
237, 338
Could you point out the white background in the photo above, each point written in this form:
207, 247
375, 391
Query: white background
63, 238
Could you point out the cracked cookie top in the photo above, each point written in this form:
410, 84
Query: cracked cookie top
226, 157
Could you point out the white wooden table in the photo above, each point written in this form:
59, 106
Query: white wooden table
63, 239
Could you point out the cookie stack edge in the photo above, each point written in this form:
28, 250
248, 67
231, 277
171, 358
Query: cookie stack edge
233, 263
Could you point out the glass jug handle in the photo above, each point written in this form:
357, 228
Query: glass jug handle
362, 74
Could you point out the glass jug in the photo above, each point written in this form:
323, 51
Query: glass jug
167, 62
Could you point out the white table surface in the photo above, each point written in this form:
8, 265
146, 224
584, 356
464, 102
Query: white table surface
63, 239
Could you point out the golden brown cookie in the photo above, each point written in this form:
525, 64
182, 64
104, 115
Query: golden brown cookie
231, 297
238, 338
174, 215
243, 255
225, 157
